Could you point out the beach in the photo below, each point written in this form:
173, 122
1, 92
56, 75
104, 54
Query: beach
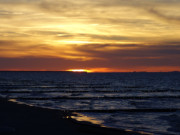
21, 119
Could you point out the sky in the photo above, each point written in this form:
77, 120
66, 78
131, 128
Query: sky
99, 35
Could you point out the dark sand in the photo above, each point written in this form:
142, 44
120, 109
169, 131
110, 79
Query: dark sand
19, 119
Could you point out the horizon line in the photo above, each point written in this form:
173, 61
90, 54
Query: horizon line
85, 72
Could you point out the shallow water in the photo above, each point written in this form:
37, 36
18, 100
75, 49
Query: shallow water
148, 102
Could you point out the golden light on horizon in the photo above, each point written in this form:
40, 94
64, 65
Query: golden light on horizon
79, 70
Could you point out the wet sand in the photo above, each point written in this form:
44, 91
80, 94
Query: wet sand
20, 119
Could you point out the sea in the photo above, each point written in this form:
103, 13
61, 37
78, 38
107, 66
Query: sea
137, 101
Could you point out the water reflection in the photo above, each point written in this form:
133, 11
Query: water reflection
84, 118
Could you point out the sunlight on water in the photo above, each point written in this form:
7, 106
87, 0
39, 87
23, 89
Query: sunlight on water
13, 100
82, 117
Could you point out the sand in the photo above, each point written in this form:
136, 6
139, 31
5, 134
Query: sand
20, 119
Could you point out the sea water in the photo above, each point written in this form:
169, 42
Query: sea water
145, 102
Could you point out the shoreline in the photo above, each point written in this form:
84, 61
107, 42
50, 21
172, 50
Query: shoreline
21, 119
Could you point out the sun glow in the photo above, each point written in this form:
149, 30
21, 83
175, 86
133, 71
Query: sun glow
79, 70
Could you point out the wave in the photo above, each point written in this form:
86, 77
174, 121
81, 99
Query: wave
104, 97
86, 91
130, 110
47, 87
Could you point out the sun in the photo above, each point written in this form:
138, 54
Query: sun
79, 70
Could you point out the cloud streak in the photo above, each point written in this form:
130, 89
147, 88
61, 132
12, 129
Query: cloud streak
162, 17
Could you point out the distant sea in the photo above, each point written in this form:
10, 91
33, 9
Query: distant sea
145, 102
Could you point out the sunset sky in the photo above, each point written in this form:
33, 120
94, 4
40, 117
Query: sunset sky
99, 35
